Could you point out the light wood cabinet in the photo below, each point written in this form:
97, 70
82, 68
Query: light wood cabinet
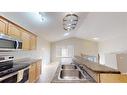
32, 73
33, 42
3, 26
113, 78
25, 36
35, 71
38, 69
9, 28
28, 39
14, 31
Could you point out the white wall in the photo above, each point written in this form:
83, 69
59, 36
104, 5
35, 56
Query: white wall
80, 46
111, 60
115, 45
122, 62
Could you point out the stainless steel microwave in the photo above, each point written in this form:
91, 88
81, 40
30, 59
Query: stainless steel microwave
9, 43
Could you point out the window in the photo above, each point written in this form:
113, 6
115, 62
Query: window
65, 53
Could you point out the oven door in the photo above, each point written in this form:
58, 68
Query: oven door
14, 77
11, 78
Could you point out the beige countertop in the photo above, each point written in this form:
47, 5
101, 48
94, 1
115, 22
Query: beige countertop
96, 67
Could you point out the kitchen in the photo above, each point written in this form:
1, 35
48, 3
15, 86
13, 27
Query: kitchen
63, 47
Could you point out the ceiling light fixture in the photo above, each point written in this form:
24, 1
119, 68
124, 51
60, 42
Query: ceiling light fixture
70, 21
66, 34
42, 16
96, 38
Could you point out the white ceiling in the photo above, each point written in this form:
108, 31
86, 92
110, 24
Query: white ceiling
91, 25
103, 25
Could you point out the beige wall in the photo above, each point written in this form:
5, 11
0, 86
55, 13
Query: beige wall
80, 46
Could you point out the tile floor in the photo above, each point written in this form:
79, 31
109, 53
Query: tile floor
48, 71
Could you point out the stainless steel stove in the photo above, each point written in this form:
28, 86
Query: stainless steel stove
9, 71
6, 62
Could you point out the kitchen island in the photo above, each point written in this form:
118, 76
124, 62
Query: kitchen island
100, 73
91, 73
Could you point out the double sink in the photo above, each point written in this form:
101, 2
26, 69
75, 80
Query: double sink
70, 72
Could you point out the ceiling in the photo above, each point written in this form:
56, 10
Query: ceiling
91, 25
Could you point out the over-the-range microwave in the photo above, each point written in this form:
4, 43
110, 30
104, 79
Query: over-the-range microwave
9, 43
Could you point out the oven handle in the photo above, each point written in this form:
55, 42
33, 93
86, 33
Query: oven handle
17, 44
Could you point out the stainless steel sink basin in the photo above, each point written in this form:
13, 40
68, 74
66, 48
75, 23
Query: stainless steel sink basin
71, 75
68, 66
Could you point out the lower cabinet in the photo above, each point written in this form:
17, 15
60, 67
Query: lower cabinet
113, 78
35, 71
38, 69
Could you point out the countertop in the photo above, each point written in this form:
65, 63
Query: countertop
25, 61
96, 67
57, 80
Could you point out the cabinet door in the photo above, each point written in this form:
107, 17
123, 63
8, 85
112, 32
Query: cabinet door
3, 26
26, 40
14, 31
113, 78
38, 69
33, 42
32, 73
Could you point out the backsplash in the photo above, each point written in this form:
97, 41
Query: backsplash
24, 54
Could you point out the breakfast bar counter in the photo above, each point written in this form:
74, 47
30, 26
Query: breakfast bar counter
100, 73
96, 67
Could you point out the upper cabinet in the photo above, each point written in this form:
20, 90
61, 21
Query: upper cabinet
14, 31
29, 40
26, 40
33, 42
3, 26
9, 28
